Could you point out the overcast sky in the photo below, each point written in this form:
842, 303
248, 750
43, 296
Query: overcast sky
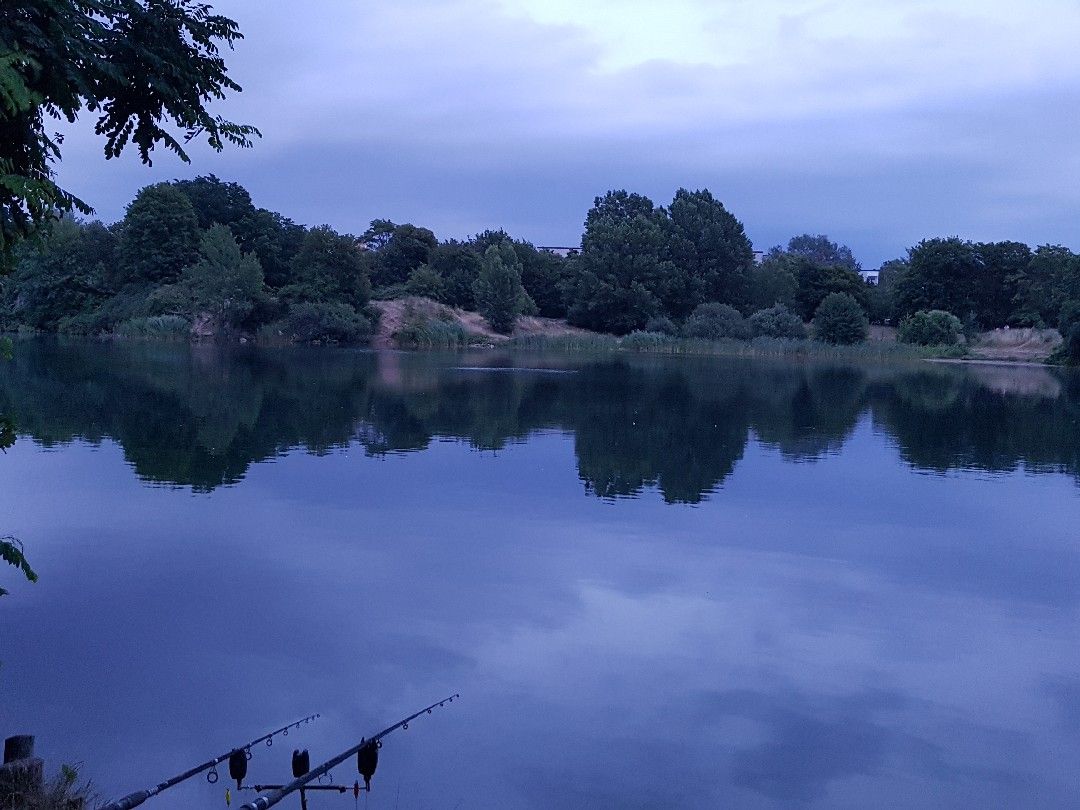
878, 122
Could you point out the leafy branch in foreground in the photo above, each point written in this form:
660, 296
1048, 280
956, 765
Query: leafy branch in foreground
140, 65
11, 552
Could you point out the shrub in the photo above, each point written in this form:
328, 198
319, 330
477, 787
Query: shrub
161, 327
777, 321
839, 319
714, 321
426, 283
646, 341
662, 325
93, 322
933, 327
390, 292
423, 332
336, 323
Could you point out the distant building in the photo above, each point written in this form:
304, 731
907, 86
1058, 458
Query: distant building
759, 256
559, 251
871, 277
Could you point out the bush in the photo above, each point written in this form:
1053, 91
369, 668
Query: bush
840, 320
714, 321
390, 292
335, 323
646, 341
934, 327
426, 283
422, 332
160, 327
662, 325
778, 322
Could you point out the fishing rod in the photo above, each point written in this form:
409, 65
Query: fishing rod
367, 758
237, 757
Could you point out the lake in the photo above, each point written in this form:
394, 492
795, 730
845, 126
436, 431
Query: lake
656, 582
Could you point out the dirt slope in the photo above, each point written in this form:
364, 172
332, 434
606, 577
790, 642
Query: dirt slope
395, 312
1023, 345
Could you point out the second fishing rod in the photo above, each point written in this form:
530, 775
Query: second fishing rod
366, 752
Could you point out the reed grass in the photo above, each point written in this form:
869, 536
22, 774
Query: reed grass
659, 343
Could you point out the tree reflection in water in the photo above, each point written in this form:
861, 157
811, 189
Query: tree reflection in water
199, 416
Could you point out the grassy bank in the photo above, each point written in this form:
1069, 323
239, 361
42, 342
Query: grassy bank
657, 343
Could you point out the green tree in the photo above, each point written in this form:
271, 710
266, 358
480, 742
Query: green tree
224, 283
500, 298
817, 281
61, 278
614, 282
378, 234
1051, 278
940, 274
458, 266
1069, 327
543, 274
329, 268
1001, 266
139, 65
822, 250
394, 258
881, 297
841, 320
819, 267
274, 239
426, 282
216, 201
710, 252
159, 237
773, 282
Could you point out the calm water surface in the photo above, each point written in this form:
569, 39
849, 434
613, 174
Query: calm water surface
655, 582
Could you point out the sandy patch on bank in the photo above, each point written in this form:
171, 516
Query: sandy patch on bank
394, 314
1017, 345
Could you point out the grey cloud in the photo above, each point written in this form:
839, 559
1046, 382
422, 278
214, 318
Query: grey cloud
461, 116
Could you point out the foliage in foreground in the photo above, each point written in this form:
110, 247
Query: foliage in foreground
11, 552
60, 57
62, 792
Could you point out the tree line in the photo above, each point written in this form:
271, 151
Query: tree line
198, 256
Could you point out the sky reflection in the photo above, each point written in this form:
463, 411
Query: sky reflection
846, 633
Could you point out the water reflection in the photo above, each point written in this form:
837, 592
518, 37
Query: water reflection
844, 631
201, 416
